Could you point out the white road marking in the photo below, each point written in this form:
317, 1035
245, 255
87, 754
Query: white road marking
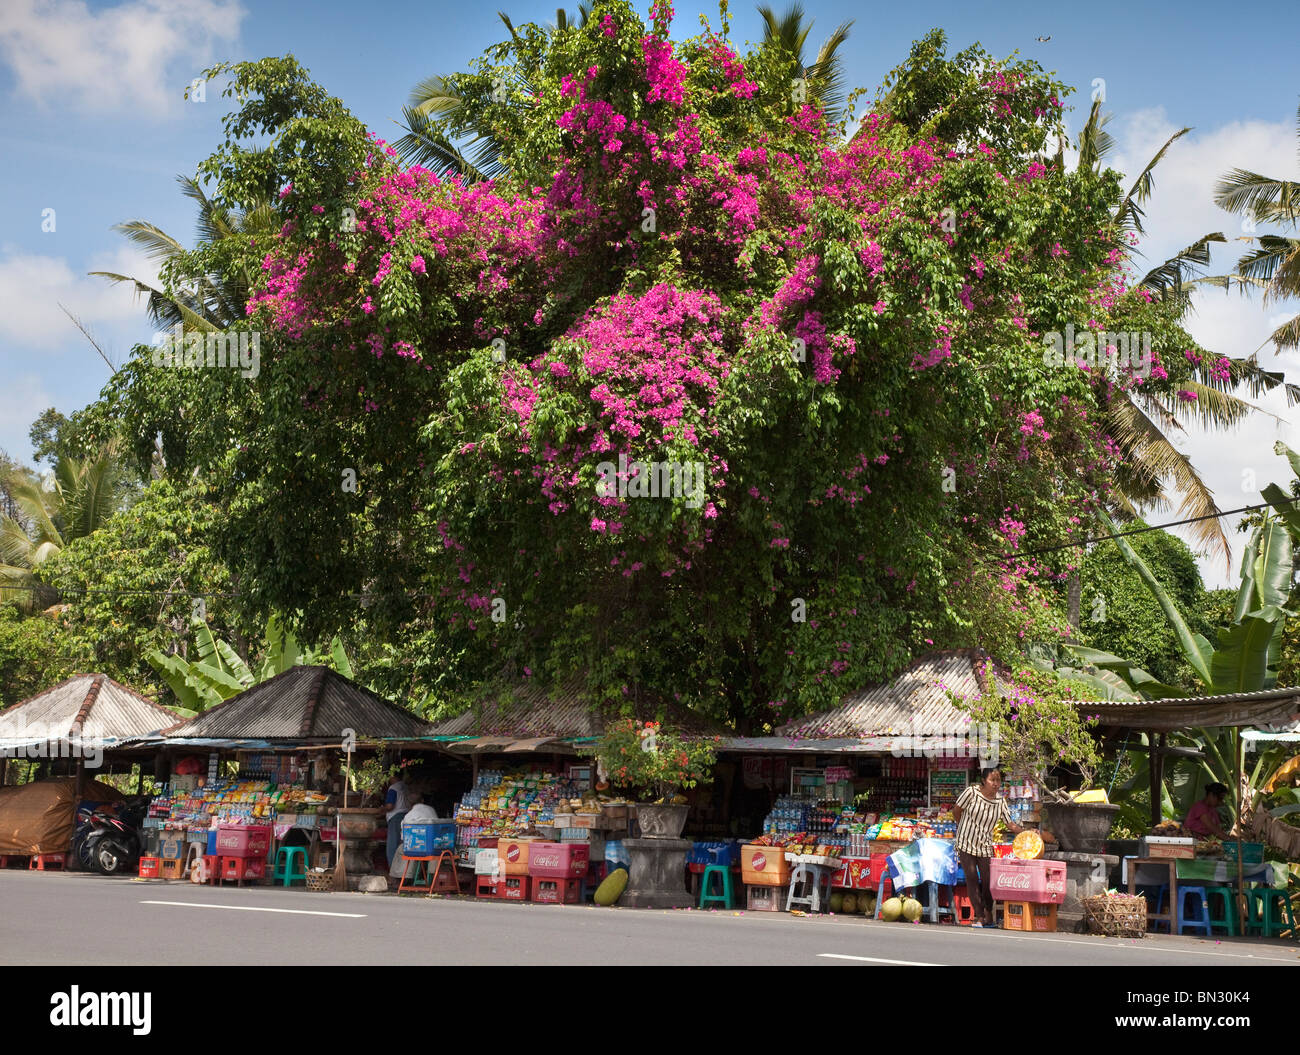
877, 959
250, 908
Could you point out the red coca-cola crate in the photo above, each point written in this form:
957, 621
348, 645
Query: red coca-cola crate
557, 861
1036, 882
514, 888
150, 867
243, 840
557, 891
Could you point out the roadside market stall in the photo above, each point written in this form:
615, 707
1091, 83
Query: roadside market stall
1177, 866
279, 812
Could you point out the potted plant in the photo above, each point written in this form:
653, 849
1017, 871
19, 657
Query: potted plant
657, 765
1035, 722
370, 777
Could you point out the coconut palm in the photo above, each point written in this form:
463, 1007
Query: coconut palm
81, 495
204, 301
825, 75
1142, 422
1274, 264
436, 116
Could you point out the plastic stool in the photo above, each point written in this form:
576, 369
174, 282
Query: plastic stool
1199, 918
445, 878
422, 880
1260, 907
933, 908
885, 881
707, 897
193, 853
286, 861
1227, 921
806, 882
963, 909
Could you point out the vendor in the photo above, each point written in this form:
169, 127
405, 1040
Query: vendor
396, 802
329, 780
1203, 818
977, 813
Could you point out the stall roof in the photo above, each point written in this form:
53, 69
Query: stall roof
303, 703
529, 711
1197, 712
915, 703
90, 708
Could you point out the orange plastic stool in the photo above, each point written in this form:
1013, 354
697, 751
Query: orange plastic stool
446, 880
962, 908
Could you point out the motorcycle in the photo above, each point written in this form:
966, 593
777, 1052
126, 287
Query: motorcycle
114, 843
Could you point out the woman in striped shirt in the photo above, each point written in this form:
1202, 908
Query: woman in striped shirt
977, 813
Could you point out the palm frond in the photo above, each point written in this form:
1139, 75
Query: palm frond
1129, 213
1247, 193
1170, 278
1095, 143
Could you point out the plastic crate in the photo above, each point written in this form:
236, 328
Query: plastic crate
243, 840
1027, 916
514, 888
1040, 882
557, 891
431, 837
150, 868
557, 860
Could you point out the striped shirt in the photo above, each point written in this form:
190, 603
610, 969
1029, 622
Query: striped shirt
978, 819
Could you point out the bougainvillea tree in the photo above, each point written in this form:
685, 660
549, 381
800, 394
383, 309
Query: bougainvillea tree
704, 396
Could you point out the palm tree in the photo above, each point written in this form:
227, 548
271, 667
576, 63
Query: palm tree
212, 301
83, 493
436, 117
1274, 264
1142, 422
825, 76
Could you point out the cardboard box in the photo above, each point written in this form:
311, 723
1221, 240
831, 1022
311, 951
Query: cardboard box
1160, 846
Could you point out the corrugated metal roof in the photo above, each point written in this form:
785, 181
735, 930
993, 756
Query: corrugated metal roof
104, 709
305, 702
916, 702
1226, 710
528, 710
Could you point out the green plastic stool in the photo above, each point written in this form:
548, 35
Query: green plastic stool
708, 898
1228, 920
285, 860
1260, 908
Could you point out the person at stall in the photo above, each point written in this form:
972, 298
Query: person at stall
396, 802
329, 778
977, 812
1203, 819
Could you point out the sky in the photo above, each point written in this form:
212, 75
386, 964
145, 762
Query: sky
95, 127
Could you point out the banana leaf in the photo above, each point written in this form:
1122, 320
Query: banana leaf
192, 693
1195, 647
1248, 653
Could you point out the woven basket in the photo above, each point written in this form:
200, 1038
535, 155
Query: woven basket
1116, 916
321, 882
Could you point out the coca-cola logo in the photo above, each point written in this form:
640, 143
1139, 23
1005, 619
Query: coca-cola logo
512, 854
1012, 882
545, 860
758, 862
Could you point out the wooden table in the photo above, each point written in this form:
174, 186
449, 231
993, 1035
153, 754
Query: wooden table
1170, 917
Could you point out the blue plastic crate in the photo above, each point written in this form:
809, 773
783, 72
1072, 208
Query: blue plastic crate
420, 840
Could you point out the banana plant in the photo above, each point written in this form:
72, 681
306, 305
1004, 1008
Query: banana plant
218, 672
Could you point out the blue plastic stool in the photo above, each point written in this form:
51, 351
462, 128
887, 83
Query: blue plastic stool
933, 909
285, 860
1199, 919
885, 880
707, 897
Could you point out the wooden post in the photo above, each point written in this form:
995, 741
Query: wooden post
1154, 767
1241, 890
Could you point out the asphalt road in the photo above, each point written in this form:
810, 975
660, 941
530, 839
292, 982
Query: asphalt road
76, 919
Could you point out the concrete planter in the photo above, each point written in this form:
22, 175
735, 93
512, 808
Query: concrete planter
657, 877
1081, 827
661, 822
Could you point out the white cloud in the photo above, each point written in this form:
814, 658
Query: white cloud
1182, 209
33, 286
139, 54
22, 398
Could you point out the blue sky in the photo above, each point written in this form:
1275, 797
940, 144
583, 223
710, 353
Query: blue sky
93, 125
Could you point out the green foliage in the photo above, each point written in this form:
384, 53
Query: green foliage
1118, 613
1039, 725
35, 653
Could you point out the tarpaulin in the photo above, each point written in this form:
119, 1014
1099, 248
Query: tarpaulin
40, 818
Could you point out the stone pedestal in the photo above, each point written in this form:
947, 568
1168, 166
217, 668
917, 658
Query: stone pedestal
1085, 875
657, 878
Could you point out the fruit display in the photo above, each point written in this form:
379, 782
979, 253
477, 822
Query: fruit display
611, 887
848, 903
1168, 829
892, 910
912, 909
1028, 846
1210, 847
